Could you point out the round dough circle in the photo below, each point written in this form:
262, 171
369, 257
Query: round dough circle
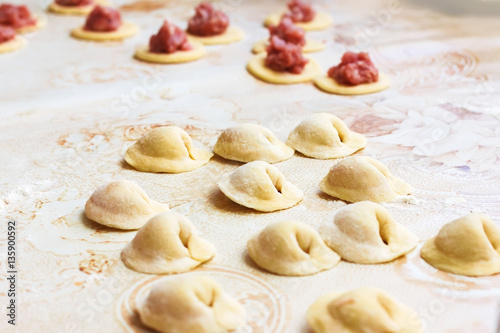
329, 85
70, 10
127, 29
14, 44
198, 51
321, 21
257, 68
231, 35
40, 23
75, 10
311, 46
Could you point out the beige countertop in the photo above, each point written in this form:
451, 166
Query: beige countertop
69, 109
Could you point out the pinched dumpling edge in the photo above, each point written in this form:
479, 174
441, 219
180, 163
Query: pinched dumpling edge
151, 316
394, 186
199, 250
286, 194
433, 254
298, 138
195, 157
319, 318
394, 239
228, 141
312, 254
95, 207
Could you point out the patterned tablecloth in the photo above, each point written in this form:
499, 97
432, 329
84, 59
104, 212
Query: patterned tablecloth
69, 109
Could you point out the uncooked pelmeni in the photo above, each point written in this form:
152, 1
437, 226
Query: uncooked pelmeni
325, 136
168, 243
166, 149
122, 204
190, 304
360, 178
366, 233
361, 311
260, 186
291, 248
251, 142
469, 246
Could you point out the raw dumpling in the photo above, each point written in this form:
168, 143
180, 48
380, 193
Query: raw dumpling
166, 149
325, 136
291, 248
359, 178
360, 311
190, 304
251, 142
365, 233
168, 243
122, 204
467, 246
260, 186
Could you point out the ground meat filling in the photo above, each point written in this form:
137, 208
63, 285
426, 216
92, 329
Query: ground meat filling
74, 3
15, 16
288, 32
169, 39
354, 69
284, 57
103, 19
299, 11
6, 34
207, 21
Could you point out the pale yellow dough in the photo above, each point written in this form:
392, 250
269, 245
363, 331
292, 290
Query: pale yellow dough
40, 23
291, 248
326, 83
166, 149
366, 233
126, 30
325, 136
360, 178
198, 51
74, 10
14, 44
168, 243
190, 304
251, 142
70, 10
122, 204
260, 186
361, 311
321, 21
231, 35
310, 46
469, 246
257, 67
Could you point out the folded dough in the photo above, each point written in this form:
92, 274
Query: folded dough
260, 186
359, 178
469, 246
122, 204
251, 142
325, 136
168, 243
190, 304
361, 311
366, 233
166, 149
291, 248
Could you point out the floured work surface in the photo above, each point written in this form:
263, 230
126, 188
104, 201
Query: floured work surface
70, 109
